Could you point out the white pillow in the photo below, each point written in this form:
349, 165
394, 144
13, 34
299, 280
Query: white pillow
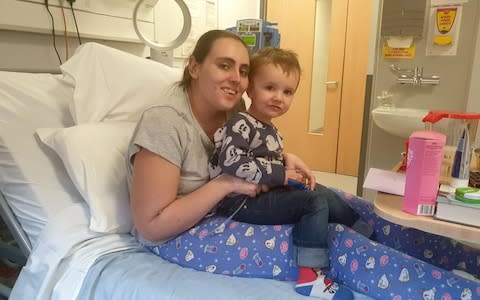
94, 155
114, 85
32, 177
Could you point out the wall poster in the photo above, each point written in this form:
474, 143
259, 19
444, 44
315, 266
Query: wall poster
444, 27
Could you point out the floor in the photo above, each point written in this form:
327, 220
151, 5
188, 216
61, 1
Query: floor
343, 182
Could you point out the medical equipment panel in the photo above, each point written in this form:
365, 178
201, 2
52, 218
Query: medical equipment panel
257, 33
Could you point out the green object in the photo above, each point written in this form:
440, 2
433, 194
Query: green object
468, 195
250, 39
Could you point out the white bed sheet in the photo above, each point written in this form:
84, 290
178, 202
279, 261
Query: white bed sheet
154, 278
73, 262
67, 249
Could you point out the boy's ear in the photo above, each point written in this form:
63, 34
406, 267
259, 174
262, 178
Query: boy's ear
193, 67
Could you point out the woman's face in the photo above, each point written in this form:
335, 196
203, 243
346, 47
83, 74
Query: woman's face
220, 80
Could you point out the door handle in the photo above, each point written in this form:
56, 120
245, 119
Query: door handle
331, 82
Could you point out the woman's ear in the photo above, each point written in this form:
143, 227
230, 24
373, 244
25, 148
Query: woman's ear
193, 66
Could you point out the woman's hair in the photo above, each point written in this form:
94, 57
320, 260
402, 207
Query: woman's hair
287, 60
203, 47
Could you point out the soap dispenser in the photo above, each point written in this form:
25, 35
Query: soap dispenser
385, 99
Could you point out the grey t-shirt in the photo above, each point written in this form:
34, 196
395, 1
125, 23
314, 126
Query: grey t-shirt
171, 131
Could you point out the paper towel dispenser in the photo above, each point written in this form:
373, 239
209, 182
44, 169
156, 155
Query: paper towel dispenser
403, 17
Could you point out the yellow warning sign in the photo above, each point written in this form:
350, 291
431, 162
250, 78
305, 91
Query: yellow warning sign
445, 20
398, 53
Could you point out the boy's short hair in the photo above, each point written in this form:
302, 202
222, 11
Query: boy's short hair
286, 59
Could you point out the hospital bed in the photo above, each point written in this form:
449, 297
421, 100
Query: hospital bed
63, 141
68, 208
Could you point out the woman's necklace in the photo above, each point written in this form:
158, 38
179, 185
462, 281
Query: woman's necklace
208, 121
212, 125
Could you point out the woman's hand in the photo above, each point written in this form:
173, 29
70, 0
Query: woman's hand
293, 164
240, 186
264, 188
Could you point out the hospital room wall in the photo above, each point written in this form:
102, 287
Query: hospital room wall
473, 103
168, 18
33, 52
206, 14
457, 89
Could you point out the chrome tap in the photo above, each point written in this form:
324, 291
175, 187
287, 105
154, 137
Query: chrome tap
417, 75
417, 78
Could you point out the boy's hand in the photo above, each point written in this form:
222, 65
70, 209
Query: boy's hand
296, 180
293, 174
295, 164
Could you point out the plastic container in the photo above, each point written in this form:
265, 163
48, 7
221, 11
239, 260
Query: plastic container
460, 129
425, 154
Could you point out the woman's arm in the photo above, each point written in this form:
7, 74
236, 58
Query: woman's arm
156, 214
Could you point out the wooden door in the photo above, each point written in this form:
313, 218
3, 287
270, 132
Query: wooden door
337, 148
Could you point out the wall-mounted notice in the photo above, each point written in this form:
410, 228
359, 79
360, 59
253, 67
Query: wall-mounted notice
398, 47
444, 27
204, 18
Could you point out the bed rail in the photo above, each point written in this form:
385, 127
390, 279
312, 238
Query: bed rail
15, 228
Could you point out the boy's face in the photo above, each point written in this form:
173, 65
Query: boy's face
271, 91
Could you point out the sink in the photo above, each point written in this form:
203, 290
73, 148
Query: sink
397, 121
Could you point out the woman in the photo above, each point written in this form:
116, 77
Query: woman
170, 148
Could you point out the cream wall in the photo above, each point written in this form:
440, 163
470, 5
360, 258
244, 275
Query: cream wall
25, 27
473, 103
229, 11
33, 51
99, 19
373, 37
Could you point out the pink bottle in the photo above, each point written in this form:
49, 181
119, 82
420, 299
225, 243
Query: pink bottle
425, 154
